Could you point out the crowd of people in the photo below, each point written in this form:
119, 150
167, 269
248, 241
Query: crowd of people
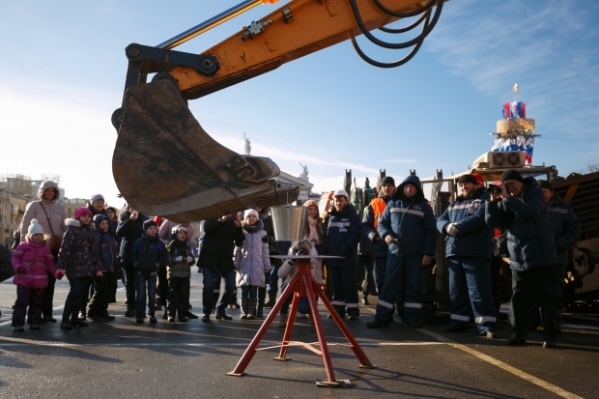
394, 241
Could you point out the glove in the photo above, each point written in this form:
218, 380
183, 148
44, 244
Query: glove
189, 259
452, 229
177, 259
59, 274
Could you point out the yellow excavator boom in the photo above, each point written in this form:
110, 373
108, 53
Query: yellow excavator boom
165, 164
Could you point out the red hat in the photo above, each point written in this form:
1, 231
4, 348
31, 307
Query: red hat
479, 179
82, 211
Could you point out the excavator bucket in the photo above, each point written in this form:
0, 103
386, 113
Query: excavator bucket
165, 164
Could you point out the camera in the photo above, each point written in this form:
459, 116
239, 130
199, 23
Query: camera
493, 189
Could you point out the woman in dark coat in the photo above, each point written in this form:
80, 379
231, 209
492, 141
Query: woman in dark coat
78, 257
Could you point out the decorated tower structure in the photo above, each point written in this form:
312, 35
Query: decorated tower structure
515, 132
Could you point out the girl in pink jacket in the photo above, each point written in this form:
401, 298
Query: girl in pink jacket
30, 260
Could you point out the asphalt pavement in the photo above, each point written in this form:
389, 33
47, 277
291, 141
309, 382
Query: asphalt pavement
122, 359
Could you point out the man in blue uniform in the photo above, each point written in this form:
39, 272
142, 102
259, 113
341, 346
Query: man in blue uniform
468, 249
520, 208
408, 227
370, 228
566, 230
343, 235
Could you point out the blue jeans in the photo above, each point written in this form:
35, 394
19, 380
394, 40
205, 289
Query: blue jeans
273, 284
210, 276
403, 284
303, 307
77, 292
141, 282
249, 292
470, 288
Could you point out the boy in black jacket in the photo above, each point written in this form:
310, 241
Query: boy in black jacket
148, 253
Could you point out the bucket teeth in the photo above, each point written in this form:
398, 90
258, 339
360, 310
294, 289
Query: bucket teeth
164, 163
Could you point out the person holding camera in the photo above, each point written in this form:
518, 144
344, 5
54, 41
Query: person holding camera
468, 249
51, 216
216, 259
520, 208
407, 226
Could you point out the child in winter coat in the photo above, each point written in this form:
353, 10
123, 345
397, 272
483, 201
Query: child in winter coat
287, 271
31, 259
109, 262
148, 253
178, 273
78, 257
251, 262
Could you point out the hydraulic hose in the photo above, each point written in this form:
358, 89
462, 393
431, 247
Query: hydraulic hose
427, 28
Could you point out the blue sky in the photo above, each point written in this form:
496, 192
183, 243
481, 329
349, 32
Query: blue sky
63, 71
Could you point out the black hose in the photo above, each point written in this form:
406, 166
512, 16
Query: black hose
384, 64
426, 30
405, 28
405, 14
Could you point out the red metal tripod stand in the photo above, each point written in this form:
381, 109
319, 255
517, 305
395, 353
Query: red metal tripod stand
303, 285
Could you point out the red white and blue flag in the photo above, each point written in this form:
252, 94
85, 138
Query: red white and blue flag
514, 110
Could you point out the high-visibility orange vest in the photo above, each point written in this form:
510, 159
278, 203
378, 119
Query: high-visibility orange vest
378, 207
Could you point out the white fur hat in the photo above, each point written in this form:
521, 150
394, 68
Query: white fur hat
35, 228
176, 229
249, 212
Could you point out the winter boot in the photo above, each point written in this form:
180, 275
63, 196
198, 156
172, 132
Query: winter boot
252, 302
244, 309
96, 317
104, 314
272, 299
139, 317
66, 314
76, 321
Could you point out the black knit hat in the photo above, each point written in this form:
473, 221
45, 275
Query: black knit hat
545, 184
387, 180
149, 223
468, 179
511, 174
